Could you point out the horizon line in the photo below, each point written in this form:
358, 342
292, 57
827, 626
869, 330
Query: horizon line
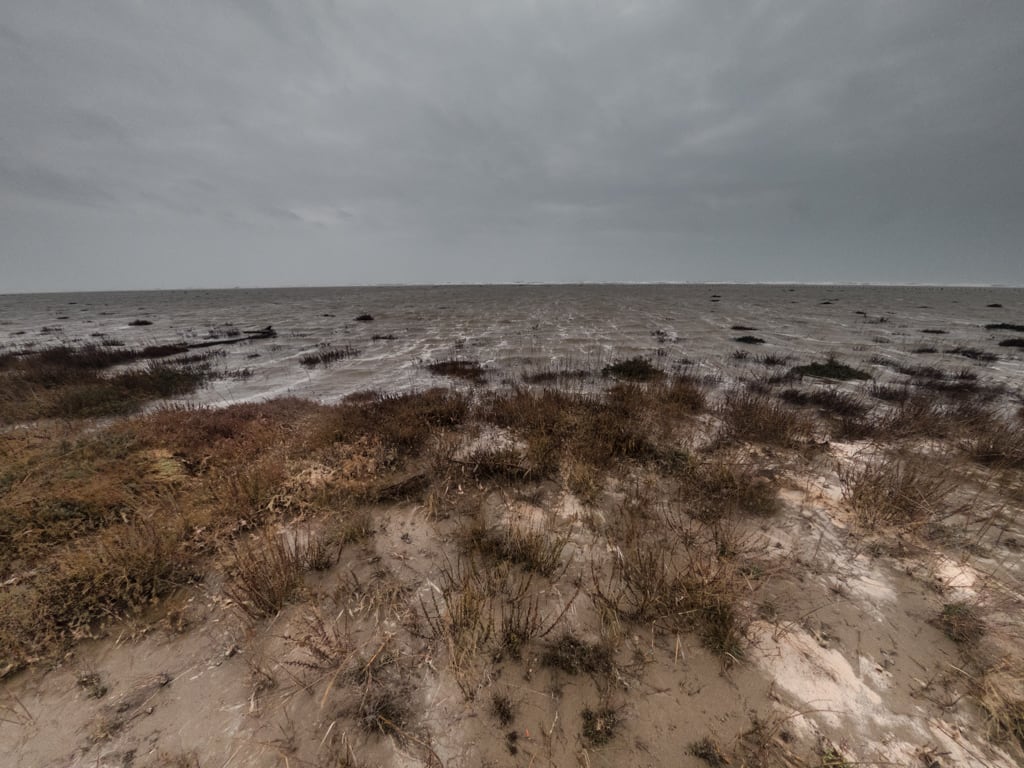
526, 283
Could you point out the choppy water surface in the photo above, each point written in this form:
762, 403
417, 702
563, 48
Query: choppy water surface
515, 328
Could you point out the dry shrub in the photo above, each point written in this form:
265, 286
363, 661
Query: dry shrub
460, 613
402, 422
894, 492
325, 645
521, 621
385, 709
265, 574
599, 725
246, 494
100, 577
502, 708
56, 486
698, 591
962, 622
570, 654
680, 396
560, 427
535, 550
723, 486
759, 418
707, 749
642, 587
503, 463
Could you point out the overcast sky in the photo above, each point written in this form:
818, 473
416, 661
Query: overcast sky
155, 144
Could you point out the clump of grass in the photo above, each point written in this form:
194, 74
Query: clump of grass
502, 708
570, 654
140, 322
1005, 327
721, 487
771, 361
893, 492
757, 417
599, 725
460, 613
743, 328
496, 463
458, 368
831, 757
749, 340
1001, 694
707, 749
633, 369
924, 350
537, 551
266, 574
831, 369
962, 622
328, 355
974, 354
385, 709
936, 331
831, 401
917, 371
92, 684
520, 623
890, 393
325, 645
110, 573
1016, 342
557, 376
1000, 443
403, 422
679, 396
70, 382
364, 318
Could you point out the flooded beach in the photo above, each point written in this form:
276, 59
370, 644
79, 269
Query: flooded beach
512, 330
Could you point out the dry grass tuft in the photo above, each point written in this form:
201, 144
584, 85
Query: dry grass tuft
831, 369
502, 708
599, 725
1001, 694
326, 355
894, 493
633, 369
707, 749
962, 622
999, 444
266, 574
110, 573
759, 418
403, 422
468, 370
570, 654
535, 550
722, 486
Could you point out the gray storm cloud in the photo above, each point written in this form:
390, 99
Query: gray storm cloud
152, 144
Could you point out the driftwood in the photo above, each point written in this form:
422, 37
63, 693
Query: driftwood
262, 333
